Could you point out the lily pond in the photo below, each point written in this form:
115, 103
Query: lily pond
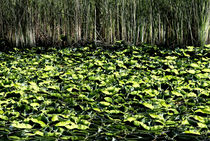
105, 93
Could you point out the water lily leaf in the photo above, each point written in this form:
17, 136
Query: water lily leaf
169, 122
39, 133
148, 105
194, 65
199, 118
67, 138
82, 127
172, 111
202, 125
121, 64
163, 103
191, 71
192, 132
202, 75
47, 56
55, 118
21, 125
130, 119
156, 116
175, 71
185, 122
85, 122
151, 92
72, 126
176, 93
204, 111
156, 127
54, 87
41, 123
14, 138
110, 90
34, 86
107, 92
133, 62
108, 99
185, 54
35, 104
3, 117
171, 57
104, 103
138, 123
206, 70
97, 109
191, 94
49, 68
63, 123
110, 68
136, 84
113, 111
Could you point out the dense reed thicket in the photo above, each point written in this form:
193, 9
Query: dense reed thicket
53, 22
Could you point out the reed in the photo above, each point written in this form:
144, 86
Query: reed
46, 22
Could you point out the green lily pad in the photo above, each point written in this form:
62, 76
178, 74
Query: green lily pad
192, 132
41, 123
3, 117
206, 70
138, 123
104, 103
148, 105
21, 125
194, 65
63, 123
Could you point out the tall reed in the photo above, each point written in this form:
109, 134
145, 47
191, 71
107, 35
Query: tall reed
47, 22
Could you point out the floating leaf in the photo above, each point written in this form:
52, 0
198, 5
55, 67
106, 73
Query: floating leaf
176, 93
202, 125
83, 127
34, 86
72, 126
67, 138
14, 138
192, 132
49, 68
138, 123
47, 56
3, 117
130, 119
108, 99
55, 118
136, 84
191, 71
185, 122
156, 116
194, 65
104, 103
206, 70
191, 94
21, 125
204, 111
41, 123
113, 111
169, 122
156, 127
148, 105
97, 109
171, 57
35, 104
63, 123
39, 133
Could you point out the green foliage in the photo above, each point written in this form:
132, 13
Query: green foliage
87, 93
